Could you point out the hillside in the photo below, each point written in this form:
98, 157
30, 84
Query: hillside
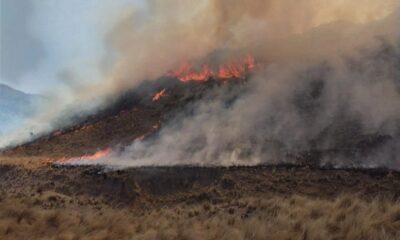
141, 113
134, 115
15, 106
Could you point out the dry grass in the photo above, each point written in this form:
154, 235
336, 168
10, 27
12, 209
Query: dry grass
24, 161
296, 217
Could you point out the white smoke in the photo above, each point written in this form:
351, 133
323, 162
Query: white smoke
328, 96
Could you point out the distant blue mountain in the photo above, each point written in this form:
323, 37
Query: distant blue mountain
15, 106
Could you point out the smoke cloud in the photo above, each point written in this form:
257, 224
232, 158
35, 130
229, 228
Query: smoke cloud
330, 80
147, 43
328, 77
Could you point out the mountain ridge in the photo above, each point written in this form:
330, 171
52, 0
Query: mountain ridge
15, 106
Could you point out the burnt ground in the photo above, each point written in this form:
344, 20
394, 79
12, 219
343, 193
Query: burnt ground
160, 186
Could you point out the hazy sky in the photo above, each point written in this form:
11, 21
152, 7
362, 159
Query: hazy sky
42, 41
21, 51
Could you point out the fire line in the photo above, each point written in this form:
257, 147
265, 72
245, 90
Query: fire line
237, 69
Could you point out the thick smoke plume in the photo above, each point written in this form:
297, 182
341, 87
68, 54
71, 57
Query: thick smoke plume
328, 76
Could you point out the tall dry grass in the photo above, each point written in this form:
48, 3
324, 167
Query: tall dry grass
346, 217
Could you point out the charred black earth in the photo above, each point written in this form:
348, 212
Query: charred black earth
172, 185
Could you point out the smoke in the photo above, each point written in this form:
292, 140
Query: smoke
285, 112
329, 77
330, 80
72, 36
147, 43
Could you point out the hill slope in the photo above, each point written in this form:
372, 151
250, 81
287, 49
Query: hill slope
136, 114
15, 106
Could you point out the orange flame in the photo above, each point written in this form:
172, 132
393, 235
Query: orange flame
159, 95
90, 157
186, 72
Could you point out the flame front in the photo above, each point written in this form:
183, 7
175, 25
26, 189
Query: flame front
90, 157
159, 95
186, 71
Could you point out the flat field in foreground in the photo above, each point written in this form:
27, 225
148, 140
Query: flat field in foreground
283, 202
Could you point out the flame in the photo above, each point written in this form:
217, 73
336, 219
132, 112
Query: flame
142, 137
99, 154
90, 157
57, 133
159, 95
186, 71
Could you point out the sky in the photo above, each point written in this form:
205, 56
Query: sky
47, 44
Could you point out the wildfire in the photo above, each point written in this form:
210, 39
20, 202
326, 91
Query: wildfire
159, 95
90, 157
238, 69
